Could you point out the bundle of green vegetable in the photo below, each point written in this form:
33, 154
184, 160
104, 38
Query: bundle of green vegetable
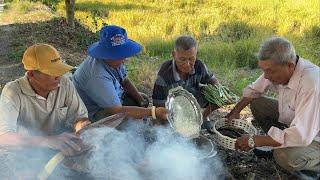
219, 95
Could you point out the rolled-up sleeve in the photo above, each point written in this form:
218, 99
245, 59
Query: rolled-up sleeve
305, 125
257, 88
9, 110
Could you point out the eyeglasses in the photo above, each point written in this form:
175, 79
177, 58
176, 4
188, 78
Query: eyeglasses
185, 60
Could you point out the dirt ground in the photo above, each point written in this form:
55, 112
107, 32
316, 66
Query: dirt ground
240, 165
9, 70
10, 47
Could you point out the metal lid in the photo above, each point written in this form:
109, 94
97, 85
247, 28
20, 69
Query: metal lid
184, 114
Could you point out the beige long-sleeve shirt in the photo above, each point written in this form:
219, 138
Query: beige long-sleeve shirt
25, 112
299, 105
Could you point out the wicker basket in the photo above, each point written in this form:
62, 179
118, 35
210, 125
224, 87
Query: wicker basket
226, 141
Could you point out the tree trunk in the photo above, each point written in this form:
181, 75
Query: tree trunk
70, 6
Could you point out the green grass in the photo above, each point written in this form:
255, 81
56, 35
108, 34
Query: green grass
229, 32
25, 12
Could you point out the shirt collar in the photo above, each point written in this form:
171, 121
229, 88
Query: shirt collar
27, 89
296, 76
107, 66
176, 74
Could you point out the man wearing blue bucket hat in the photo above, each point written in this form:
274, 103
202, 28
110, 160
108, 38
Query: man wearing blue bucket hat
102, 82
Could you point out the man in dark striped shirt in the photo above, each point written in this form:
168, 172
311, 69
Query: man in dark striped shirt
187, 71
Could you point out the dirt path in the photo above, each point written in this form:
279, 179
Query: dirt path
9, 70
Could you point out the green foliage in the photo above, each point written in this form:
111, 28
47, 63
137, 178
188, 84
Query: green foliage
97, 9
314, 32
245, 53
242, 83
85, 38
243, 25
25, 6
217, 54
17, 54
234, 31
158, 47
50, 3
143, 70
229, 32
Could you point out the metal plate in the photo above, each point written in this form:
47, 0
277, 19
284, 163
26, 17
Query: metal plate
184, 114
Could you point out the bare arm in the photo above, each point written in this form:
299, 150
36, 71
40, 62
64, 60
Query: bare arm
15, 140
67, 143
242, 142
80, 123
131, 90
244, 101
137, 112
265, 141
159, 104
213, 81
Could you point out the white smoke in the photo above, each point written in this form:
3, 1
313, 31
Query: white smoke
142, 152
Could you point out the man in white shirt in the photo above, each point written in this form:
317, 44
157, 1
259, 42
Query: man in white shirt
292, 122
39, 112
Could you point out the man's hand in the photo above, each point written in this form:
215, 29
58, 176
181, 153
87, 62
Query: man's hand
235, 113
81, 124
144, 102
242, 143
69, 144
161, 113
232, 115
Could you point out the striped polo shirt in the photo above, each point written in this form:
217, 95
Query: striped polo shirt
168, 78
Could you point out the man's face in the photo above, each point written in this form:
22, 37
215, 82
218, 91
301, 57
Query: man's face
116, 63
44, 81
277, 73
185, 59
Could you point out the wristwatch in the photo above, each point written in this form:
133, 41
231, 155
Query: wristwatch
251, 142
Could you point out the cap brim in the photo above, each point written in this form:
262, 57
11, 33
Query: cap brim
58, 69
130, 48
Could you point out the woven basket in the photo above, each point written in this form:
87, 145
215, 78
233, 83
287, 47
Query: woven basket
226, 141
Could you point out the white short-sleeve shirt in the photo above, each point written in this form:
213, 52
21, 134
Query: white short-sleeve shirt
25, 112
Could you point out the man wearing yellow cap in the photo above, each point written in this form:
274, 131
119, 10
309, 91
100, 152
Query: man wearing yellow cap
37, 111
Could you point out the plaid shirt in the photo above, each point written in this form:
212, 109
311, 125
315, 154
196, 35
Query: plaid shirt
169, 78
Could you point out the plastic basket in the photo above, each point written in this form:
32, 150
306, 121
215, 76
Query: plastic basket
226, 141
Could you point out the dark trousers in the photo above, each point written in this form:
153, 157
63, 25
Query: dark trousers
265, 112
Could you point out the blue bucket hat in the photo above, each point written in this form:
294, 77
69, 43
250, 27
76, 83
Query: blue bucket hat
114, 44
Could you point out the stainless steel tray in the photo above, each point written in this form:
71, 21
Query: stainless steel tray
184, 111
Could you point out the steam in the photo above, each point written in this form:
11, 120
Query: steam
137, 152
142, 152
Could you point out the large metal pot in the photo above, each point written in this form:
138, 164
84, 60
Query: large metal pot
205, 145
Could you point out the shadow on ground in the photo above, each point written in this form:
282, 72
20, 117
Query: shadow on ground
102, 9
15, 38
72, 44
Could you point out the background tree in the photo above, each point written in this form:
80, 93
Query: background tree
70, 6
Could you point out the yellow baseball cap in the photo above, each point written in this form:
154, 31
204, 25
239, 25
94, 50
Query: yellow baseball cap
46, 59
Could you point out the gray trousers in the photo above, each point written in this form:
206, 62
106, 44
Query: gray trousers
265, 112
